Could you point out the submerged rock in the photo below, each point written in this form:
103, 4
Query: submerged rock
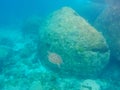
77, 46
89, 85
108, 22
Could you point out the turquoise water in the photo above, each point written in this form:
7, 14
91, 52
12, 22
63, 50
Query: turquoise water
59, 45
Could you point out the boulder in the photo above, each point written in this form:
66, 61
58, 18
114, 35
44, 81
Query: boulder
108, 22
70, 46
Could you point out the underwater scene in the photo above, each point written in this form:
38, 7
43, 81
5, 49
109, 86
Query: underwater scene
59, 45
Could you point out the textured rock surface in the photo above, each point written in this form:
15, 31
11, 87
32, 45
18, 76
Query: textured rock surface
109, 23
89, 85
80, 49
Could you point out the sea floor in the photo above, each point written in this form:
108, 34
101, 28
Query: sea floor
21, 69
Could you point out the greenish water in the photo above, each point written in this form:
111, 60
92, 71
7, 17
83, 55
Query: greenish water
44, 46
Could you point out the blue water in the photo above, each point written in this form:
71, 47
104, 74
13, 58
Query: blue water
20, 66
13, 11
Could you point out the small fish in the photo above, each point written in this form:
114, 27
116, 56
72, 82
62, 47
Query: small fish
55, 58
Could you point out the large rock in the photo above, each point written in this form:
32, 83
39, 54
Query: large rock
109, 23
70, 46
